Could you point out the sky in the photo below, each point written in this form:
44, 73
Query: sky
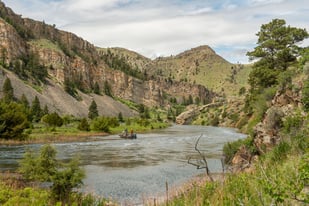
156, 28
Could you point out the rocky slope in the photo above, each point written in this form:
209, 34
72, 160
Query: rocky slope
68, 57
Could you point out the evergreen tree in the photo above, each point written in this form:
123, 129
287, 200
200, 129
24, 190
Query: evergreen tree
8, 91
53, 120
93, 110
45, 110
83, 125
120, 117
13, 121
36, 111
277, 49
107, 89
96, 88
24, 101
46, 168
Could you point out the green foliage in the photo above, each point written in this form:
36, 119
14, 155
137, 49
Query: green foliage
107, 89
242, 91
280, 152
69, 87
96, 88
292, 124
120, 117
83, 125
93, 110
45, 168
230, 148
100, 124
52, 120
29, 67
13, 121
305, 95
277, 49
8, 91
277, 44
66, 179
26, 196
36, 111
117, 62
24, 101
144, 111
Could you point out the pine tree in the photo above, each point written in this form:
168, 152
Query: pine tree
8, 91
36, 110
93, 110
24, 101
96, 88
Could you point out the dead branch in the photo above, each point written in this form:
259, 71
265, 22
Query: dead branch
202, 162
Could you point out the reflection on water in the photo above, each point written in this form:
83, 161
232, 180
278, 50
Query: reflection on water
127, 169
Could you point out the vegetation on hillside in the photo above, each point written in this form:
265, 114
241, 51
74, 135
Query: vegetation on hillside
279, 176
117, 62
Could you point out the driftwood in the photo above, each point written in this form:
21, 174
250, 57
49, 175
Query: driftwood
202, 162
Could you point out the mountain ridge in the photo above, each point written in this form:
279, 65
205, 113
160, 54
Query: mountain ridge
70, 60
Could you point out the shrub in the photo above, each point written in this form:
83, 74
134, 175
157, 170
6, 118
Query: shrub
52, 120
45, 168
100, 124
230, 148
83, 125
13, 121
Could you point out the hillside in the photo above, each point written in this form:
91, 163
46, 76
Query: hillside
200, 65
41, 55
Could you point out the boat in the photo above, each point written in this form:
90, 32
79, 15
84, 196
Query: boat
128, 136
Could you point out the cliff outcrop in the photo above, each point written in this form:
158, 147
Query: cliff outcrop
68, 57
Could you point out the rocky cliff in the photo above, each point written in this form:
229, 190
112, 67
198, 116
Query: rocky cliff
68, 57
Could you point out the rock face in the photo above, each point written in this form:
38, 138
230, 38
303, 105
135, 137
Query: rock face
266, 133
69, 57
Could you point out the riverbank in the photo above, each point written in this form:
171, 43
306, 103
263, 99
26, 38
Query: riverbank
183, 189
43, 135
56, 138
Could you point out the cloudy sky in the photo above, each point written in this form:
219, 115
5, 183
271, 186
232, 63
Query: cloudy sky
167, 27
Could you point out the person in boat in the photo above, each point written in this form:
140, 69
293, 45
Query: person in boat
131, 132
124, 133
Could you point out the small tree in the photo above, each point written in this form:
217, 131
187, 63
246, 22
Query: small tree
13, 121
46, 168
24, 101
83, 125
36, 111
107, 89
8, 91
100, 124
305, 95
96, 88
93, 110
120, 117
53, 120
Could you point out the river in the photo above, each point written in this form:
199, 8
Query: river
128, 170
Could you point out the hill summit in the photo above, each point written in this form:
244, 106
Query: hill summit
67, 72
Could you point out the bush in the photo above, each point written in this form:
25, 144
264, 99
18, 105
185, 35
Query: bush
13, 121
100, 124
83, 125
52, 120
230, 148
45, 168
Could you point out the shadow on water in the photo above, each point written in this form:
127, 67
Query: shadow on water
128, 169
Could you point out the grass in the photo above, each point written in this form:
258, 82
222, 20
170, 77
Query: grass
45, 44
69, 133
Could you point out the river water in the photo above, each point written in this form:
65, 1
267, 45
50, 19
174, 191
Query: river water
129, 170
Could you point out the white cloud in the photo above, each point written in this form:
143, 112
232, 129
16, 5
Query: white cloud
167, 27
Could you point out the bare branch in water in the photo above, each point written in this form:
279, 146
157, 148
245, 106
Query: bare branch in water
202, 162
